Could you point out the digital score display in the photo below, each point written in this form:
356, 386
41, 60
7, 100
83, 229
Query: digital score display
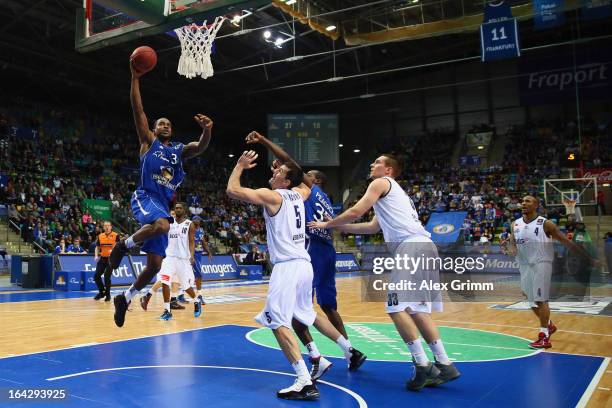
312, 140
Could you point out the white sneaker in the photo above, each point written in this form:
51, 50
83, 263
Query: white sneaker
300, 390
319, 367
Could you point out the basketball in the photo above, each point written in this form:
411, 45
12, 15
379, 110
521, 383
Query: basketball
144, 59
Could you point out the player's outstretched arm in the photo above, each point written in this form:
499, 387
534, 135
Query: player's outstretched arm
261, 196
145, 135
376, 189
551, 230
371, 227
195, 148
277, 151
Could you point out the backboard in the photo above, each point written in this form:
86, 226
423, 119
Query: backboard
582, 190
102, 23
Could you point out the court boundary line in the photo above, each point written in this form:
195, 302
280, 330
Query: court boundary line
533, 351
362, 403
116, 341
588, 393
583, 400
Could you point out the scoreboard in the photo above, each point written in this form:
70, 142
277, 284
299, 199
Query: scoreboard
311, 140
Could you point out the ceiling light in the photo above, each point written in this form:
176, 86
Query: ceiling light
330, 27
290, 2
267, 34
356, 151
236, 19
480, 147
278, 42
340, 145
230, 155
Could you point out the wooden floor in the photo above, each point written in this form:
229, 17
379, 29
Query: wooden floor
48, 325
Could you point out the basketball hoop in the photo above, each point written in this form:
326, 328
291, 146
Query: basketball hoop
196, 46
570, 206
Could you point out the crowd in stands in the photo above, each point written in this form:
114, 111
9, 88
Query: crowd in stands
53, 159
491, 194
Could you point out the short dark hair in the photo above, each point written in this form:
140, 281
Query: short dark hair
321, 176
294, 174
182, 204
394, 162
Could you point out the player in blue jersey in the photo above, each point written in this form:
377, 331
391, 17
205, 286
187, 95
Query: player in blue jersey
161, 173
322, 253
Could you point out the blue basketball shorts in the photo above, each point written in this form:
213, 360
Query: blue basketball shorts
147, 210
323, 259
197, 266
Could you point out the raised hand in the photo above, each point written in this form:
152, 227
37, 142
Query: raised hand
204, 121
254, 137
276, 164
135, 73
247, 160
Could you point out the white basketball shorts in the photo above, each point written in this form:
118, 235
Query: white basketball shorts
415, 301
535, 281
289, 295
176, 270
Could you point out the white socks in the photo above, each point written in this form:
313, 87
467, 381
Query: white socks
313, 351
544, 330
300, 369
167, 306
437, 348
418, 353
129, 293
129, 243
345, 345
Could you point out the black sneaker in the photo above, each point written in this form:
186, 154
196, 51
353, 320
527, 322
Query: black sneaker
357, 359
304, 391
448, 372
108, 297
144, 301
121, 307
423, 376
166, 316
117, 254
201, 299
99, 296
174, 305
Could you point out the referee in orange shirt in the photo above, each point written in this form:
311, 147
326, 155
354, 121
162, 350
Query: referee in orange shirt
104, 245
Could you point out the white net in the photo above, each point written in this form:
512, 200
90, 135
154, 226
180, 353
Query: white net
570, 206
196, 46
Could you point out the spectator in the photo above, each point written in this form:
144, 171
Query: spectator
61, 248
254, 257
76, 247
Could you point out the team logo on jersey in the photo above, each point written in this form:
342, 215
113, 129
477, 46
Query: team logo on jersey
160, 155
540, 221
444, 228
167, 172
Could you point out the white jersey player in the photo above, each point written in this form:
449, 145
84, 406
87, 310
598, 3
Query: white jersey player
177, 265
290, 289
405, 236
531, 240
